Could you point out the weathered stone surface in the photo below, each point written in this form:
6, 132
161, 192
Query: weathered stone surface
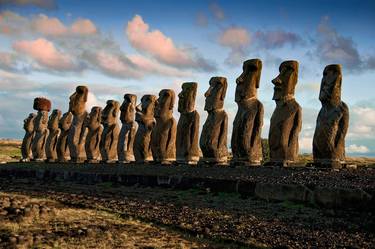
95, 129
213, 140
163, 140
332, 122
247, 126
62, 142
111, 130
146, 123
28, 125
286, 120
42, 105
129, 128
77, 133
187, 148
54, 131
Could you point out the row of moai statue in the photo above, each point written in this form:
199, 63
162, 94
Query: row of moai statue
149, 131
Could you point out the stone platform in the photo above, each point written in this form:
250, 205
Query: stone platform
344, 189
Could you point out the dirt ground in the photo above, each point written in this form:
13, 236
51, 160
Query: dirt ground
110, 216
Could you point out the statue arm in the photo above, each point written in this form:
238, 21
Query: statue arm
258, 124
296, 128
131, 136
343, 126
222, 141
194, 130
171, 139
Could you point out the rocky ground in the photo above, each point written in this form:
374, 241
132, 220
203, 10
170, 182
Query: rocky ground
68, 215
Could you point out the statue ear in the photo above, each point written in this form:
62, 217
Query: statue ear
116, 109
223, 90
171, 103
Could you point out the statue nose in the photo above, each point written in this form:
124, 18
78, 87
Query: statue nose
138, 108
276, 81
239, 80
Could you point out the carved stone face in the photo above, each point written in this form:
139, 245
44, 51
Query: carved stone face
248, 81
94, 118
286, 81
330, 88
53, 122
186, 98
41, 121
128, 108
147, 106
28, 123
110, 112
77, 101
215, 94
66, 121
165, 103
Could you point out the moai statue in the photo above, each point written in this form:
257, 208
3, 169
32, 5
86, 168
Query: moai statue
77, 132
163, 140
213, 140
286, 120
111, 130
129, 128
146, 122
187, 148
28, 125
95, 129
62, 142
54, 131
332, 122
43, 106
247, 126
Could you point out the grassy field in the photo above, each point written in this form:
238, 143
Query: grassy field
10, 150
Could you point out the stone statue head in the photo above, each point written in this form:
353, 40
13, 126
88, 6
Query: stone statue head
94, 119
77, 101
28, 123
186, 98
286, 81
110, 112
215, 94
165, 103
330, 88
66, 121
53, 122
147, 106
128, 108
248, 81
42, 104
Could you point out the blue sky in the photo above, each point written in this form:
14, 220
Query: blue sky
116, 47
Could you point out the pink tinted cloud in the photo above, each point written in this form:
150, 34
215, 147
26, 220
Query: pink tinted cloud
49, 25
234, 37
155, 43
83, 27
45, 53
162, 48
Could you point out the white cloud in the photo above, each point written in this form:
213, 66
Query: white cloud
359, 149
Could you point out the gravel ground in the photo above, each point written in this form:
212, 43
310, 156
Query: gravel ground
225, 219
363, 178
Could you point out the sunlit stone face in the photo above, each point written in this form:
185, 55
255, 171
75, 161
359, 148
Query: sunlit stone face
330, 87
165, 103
110, 112
77, 101
215, 94
186, 98
248, 81
286, 81
128, 108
